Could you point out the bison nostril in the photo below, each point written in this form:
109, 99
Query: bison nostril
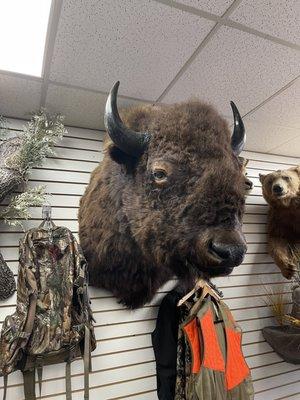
220, 249
277, 189
231, 254
249, 185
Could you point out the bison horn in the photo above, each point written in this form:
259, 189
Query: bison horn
238, 138
130, 142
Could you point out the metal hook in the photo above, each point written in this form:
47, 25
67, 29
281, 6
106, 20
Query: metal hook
46, 212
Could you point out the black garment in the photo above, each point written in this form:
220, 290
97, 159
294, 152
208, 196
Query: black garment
164, 340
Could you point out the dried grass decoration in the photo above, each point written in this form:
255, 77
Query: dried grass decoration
294, 317
18, 154
285, 338
278, 302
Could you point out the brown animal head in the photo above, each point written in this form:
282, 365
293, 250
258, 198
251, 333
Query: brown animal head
281, 188
167, 199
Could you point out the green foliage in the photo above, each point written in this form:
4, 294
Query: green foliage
18, 209
38, 139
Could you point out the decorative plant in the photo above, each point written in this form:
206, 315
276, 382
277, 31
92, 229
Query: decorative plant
18, 208
294, 317
295, 252
284, 338
18, 155
277, 301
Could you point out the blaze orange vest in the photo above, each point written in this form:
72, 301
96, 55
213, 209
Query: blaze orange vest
219, 369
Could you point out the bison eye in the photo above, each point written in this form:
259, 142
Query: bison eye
159, 175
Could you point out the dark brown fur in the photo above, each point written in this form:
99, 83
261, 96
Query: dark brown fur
284, 219
137, 234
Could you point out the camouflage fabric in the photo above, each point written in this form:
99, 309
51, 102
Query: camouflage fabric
7, 280
50, 291
184, 357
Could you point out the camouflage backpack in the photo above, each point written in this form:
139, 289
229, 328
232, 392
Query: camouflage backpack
53, 320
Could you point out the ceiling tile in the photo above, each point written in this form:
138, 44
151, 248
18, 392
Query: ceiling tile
217, 7
291, 148
141, 43
263, 136
236, 66
81, 108
19, 97
274, 17
283, 109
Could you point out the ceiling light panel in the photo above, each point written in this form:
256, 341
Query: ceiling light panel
23, 31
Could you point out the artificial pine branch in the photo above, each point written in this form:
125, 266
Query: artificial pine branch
18, 209
20, 153
37, 140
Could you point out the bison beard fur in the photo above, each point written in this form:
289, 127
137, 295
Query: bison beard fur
136, 232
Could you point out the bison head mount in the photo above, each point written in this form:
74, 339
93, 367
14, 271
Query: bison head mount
167, 199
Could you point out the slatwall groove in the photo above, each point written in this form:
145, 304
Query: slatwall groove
289, 397
134, 396
283, 384
272, 376
124, 359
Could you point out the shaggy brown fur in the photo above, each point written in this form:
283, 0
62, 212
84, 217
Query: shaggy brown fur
137, 232
283, 218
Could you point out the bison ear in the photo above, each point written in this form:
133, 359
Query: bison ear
262, 178
120, 157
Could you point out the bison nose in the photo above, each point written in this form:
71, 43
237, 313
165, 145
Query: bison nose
277, 189
230, 254
249, 184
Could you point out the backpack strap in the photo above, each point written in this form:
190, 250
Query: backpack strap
5, 382
29, 384
33, 300
39, 367
68, 380
23, 336
86, 361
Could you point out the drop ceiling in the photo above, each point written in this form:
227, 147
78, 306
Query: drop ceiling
168, 51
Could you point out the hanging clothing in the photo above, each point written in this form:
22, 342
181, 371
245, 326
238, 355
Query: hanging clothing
209, 361
164, 341
169, 345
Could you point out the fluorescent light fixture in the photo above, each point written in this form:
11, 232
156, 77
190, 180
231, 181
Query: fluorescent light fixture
23, 30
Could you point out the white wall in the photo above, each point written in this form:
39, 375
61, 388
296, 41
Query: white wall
123, 362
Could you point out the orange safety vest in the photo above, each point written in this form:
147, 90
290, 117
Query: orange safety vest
219, 370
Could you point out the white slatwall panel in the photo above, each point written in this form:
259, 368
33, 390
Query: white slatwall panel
123, 363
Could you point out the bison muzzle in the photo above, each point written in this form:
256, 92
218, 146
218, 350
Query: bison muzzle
167, 199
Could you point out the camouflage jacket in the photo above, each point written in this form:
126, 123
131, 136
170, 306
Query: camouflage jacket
52, 277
